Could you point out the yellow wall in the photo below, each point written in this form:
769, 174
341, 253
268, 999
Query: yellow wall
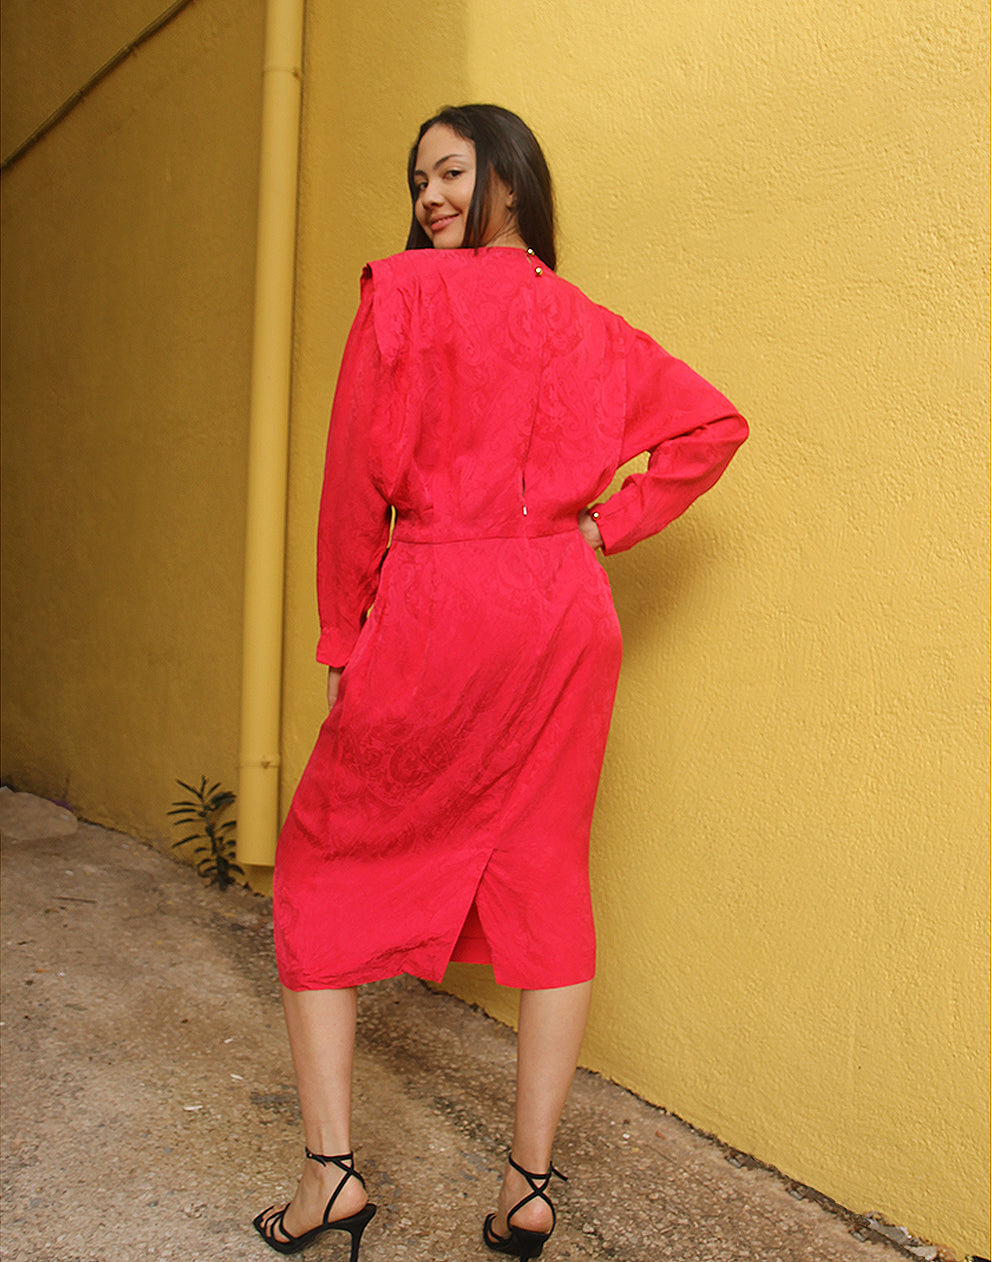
128, 239
789, 853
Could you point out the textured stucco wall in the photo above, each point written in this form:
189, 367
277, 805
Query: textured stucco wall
789, 850
50, 48
128, 240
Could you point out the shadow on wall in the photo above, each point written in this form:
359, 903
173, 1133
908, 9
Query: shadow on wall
659, 582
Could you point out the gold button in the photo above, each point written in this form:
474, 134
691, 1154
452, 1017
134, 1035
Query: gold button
538, 271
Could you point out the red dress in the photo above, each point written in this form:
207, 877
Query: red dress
445, 810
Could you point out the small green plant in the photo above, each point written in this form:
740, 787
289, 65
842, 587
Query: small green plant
202, 812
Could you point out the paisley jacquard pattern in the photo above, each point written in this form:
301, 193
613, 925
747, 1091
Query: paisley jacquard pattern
445, 810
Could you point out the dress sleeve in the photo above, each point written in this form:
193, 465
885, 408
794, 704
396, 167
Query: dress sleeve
353, 525
691, 432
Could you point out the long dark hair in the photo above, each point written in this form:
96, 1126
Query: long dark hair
505, 147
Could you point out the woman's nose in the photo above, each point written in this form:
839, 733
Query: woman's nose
431, 195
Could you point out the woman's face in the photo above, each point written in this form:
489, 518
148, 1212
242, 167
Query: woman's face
444, 181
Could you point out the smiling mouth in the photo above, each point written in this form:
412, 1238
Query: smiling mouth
438, 224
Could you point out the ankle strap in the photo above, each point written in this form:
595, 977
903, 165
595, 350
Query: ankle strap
326, 1160
344, 1161
537, 1178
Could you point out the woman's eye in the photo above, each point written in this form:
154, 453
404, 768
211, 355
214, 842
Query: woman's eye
453, 173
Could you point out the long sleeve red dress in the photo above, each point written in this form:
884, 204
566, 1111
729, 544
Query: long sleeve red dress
445, 811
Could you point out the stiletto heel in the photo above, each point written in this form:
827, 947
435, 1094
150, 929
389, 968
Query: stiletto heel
354, 1225
520, 1242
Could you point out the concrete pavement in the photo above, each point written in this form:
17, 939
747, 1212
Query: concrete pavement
148, 1105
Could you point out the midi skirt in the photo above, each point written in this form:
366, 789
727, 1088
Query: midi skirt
445, 811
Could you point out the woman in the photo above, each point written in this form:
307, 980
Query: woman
445, 811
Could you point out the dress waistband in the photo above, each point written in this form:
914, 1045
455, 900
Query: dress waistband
410, 530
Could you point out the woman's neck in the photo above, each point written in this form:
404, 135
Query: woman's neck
506, 236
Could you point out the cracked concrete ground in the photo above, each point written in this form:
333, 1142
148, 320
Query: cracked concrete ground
148, 1109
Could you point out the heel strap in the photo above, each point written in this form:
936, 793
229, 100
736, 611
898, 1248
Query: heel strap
539, 1188
344, 1161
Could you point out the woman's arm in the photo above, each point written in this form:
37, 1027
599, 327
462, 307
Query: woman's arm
353, 526
691, 432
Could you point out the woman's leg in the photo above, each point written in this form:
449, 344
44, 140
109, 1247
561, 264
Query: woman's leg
321, 1026
551, 1026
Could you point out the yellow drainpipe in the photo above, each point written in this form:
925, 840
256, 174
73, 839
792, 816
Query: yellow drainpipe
265, 542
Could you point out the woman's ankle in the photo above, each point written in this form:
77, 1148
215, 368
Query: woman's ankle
316, 1187
536, 1215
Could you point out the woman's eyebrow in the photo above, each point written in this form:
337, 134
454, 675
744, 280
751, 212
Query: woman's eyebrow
440, 162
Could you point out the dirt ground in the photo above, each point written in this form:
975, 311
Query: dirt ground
148, 1106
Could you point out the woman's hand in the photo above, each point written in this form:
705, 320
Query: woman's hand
589, 529
333, 683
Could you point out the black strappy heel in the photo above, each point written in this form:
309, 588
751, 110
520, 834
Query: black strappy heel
354, 1226
520, 1242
